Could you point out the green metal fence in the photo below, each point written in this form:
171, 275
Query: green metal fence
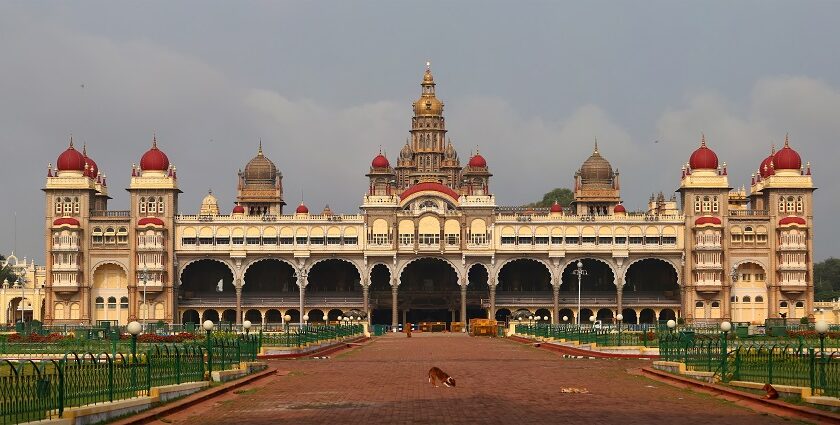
606, 335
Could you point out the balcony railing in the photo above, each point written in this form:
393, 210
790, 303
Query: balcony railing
749, 213
110, 213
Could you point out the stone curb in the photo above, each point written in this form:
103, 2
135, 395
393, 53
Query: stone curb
751, 401
152, 415
320, 351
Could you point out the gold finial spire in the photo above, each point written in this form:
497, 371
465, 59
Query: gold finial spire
702, 139
596, 146
154, 140
428, 65
84, 149
259, 150
71, 140
786, 140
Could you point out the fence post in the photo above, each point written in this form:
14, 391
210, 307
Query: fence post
111, 377
724, 357
736, 374
770, 364
178, 365
812, 359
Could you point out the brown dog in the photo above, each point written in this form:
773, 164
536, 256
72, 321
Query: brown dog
408, 330
435, 375
772, 394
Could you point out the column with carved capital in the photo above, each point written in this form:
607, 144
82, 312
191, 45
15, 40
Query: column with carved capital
366, 301
238, 301
619, 297
492, 286
395, 319
302, 285
464, 305
555, 311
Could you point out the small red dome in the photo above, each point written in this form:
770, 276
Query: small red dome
478, 161
619, 209
301, 209
792, 220
766, 168
154, 159
707, 220
70, 160
556, 207
703, 158
66, 221
787, 158
380, 162
239, 209
150, 221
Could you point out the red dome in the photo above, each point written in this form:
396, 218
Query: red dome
239, 209
619, 209
706, 220
766, 168
380, 162
150, 221
478, 161
703, 158
556, 207
66, 221
787, 158
792, 220
437, 187
70, 160
301, 209
154, 159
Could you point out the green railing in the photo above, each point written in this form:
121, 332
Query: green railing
606, 335
797, 363
299, 336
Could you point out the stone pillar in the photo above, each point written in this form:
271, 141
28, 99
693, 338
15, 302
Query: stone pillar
725, 303
619, 298
238, 301
366, 301
492, 315
464, 305
302, 286
395, 320
556, 304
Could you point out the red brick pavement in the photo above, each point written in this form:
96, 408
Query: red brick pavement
498, 382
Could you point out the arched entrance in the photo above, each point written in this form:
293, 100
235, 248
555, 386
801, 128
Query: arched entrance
229, 316
334, 314
253, 316
316, 316
110, 283
667, 314
651, 281
629, 316
429, 291
477, 289
269, 277
502, 315
190, 316
206, 279
273, 317
566, 315
605, 315
334, 276
380, 295
647, 316
211, 315
749, 293
19, 309
586, 315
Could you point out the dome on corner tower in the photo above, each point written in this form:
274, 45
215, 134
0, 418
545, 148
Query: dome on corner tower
703, 158
596, 170
154, 159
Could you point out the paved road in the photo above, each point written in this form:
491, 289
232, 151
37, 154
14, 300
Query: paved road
498, 382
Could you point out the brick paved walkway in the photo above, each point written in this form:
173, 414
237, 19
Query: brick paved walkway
498, 382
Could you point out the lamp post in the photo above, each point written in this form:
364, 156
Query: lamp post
822, 328
144, 275
725, 327
134, 329
619, 317
208, 327
247, 326
672, 324
305, 319
580, 272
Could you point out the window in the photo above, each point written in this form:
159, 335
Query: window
238, 240
351, 240
100, 303
620, 240
715, 304
124, 302
587, 240
783, 304
698, 304
453, 238
715, 204
636, 240
759, 277
790, 204
524, 240
122, 235
110, 235
572, 240
160, 205
602, 240
733, 299
269, 241
58, 206
97, 235
188, 241
781, 204
76, 205
152, 206
746, 298
650, 240
800, 206
697, 204
112, 302
707, 204
541, 240
317, 240
556, 240
205, 241
428, 238
669, 240
143, 205
252, 240
287, 240
800, 304
759, 299
222, 241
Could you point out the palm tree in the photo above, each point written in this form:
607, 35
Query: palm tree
6, 272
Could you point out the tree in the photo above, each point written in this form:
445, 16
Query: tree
6, 272
562, 195
827, 279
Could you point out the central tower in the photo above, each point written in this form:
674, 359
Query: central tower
427, 155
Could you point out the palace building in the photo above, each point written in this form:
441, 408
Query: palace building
430, 244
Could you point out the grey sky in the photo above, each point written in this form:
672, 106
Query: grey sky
324, 84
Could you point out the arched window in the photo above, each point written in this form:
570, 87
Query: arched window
707, 204
100, 303
800, 206
68, 206
783, 304
697, 204
781, 204
698, 304
76, 205
733, 299
143, 205
160, 205
715, 205
123, 302
791, 206
759, 299
746, 299
112, 302
715, 304
800, 304
58, 206
152, 206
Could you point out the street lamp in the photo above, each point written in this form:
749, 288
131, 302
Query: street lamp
725, 327
580, 272
247, 326
822, 328
208, 327
672, 324
144, 275
134, 329
305, 318
619, 317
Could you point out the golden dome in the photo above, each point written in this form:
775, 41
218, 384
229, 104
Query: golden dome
260, 170
596, 170
428, 104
